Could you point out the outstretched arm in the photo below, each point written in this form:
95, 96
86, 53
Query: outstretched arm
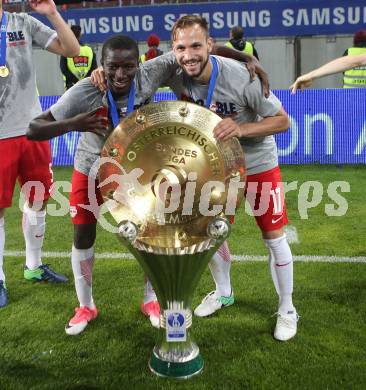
66, 43
338, 65
253, 65
45, 127
225, 51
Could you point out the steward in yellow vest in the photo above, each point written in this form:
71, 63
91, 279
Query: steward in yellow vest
238, 42
77, 68
356, 77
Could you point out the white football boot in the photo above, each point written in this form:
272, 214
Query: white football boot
211, 303
286, 326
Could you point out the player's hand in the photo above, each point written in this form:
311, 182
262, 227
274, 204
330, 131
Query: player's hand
98, 79
43, 7
92, 121
301, 82
255, 68
226, 129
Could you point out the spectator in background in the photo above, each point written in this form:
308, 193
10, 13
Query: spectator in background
238, 42
153, 42
79, 67
356, 77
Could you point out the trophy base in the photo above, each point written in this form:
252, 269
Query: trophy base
183, 370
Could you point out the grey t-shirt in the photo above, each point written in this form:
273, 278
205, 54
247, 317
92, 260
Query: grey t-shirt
19, 101
235, 96
84, 97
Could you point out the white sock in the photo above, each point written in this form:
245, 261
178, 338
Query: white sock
82, 261
149, 293
281, 267
220, 269
2, 245
34, 226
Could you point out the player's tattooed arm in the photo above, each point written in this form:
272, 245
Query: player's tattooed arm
253, 65
45, 127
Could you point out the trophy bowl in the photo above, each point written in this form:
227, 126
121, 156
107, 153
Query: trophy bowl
171, 186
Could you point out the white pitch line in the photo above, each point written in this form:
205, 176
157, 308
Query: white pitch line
122, 255
306, 259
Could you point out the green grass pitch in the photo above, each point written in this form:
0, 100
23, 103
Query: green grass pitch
237, 345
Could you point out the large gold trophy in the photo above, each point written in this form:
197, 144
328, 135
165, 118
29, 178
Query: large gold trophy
170, 186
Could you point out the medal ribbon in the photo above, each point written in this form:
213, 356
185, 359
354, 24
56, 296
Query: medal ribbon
213, 78
113, 108
3, 41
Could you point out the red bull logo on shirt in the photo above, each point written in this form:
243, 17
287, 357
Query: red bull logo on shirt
16, 38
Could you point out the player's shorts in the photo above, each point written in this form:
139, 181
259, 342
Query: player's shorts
80, 196
265, 195
30, 163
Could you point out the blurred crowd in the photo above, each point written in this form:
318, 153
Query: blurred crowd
21, 5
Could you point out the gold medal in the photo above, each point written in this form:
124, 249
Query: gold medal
4, 71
